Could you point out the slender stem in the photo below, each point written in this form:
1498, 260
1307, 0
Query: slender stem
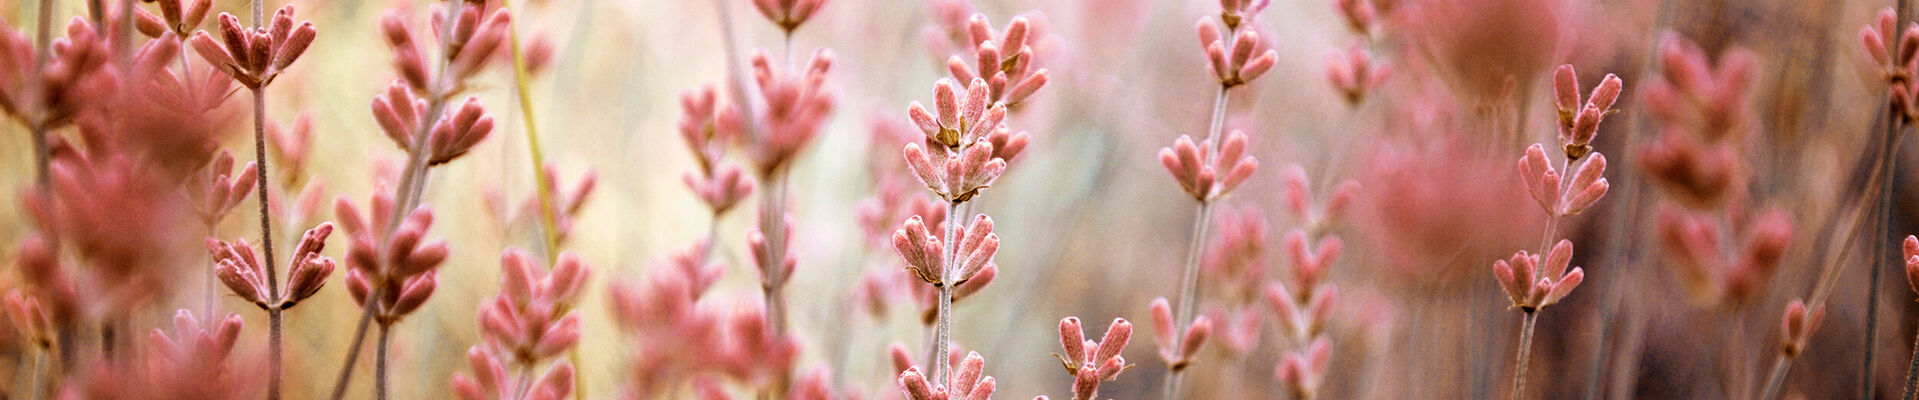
1525, 350
1780, 365
406, 197
379, 365
359, 338
943, 326
1189, 281
42, 38
547, 218
266, 236
1880, 223
773, 226
1912, 372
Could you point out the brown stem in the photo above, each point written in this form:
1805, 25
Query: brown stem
379, 365
1189, 281
1525, 350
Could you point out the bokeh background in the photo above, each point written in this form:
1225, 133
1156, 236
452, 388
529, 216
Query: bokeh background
1093, 227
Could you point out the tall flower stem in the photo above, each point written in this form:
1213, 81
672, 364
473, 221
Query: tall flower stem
1525, 350
41, 40
1881, 221
1189, 281
274, 332
773, 225
548, 226
943, 326
379, 365
406, 198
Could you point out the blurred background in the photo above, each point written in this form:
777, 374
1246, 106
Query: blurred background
1092, 227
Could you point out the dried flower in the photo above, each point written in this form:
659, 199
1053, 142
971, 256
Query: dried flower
453, 135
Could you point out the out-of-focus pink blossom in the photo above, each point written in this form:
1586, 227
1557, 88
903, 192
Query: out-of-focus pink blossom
1798, 325
1717, 270
790, 107
1353, 72
1006, 64
1301, 373
788, 14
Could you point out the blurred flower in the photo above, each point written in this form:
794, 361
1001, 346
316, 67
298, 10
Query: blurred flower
219, 189
1718, 270
1302, 372
1798, 325
1353, 72
788, 14
1177, 348
791, 106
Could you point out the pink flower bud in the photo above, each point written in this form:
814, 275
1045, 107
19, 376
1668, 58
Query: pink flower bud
1565, 91
1910, 250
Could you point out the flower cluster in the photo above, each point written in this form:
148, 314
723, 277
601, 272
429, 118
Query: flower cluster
968, 382
926, 257
1235, 65
1197, 169
219, 189
966, 149
1898, 74
1578, 123
1091, 362
529, 322
400, 113
254, 57
718, 184
1006, 64
1704, 116
240, 269
786, 113
1797, 326
682, 338
401, 263
1175, 347
1303, 300
1724, 250
1554, 282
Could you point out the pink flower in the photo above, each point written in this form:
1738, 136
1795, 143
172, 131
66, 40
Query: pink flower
1005, 64
922, 251
1237, 66
1543, 182
1091, 362
1553, 281
1352, 71
1302, 373
254, 57
1579, 123
1176, 348
1198, 172
967, 382
791, 105
1797, 326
